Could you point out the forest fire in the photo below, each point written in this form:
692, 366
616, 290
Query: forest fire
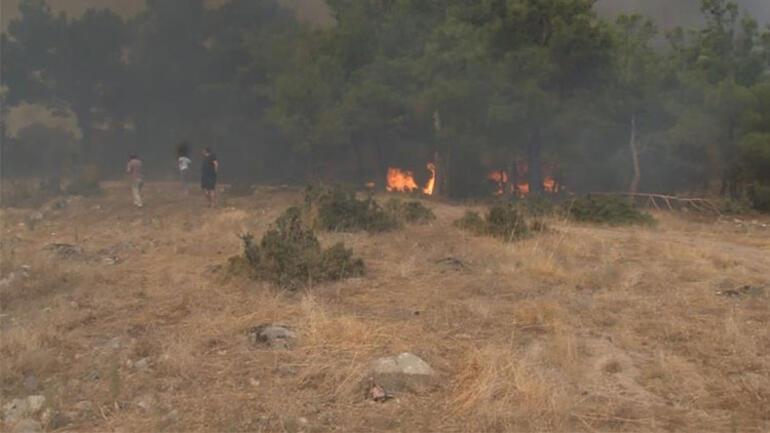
403, 180
400, 180
502, 184
428, 190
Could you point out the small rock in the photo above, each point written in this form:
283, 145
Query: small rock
83, 406
35, 404
142, 364
405, 372
275, 336
287, 370
30, 383
146, 402
28, 426
114, 343
169, 418
15, 410
254, 382
58, 420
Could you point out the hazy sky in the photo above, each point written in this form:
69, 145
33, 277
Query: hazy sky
668, 13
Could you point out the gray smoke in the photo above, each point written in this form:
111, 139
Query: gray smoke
672, 13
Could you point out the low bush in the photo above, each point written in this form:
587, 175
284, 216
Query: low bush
290, 256
336, 209
504, 222
536, 206
606, 210
86, 183
760, 197
410, 211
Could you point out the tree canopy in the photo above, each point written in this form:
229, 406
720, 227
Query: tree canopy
470, 86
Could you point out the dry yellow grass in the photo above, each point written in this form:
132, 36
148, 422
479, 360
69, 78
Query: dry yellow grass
582, 328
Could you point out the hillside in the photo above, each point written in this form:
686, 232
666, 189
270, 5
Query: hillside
136, 326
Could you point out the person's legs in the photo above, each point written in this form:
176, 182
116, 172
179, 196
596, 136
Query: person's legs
183, 177
136, 191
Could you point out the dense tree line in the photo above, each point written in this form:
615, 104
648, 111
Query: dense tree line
469, 85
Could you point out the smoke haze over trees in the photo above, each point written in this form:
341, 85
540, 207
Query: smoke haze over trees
472, 86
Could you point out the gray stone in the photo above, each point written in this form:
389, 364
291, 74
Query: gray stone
15, 410
83, 406
146, 402
35, 404
142, 364
31, 383
275, 336
406, 372
28, 426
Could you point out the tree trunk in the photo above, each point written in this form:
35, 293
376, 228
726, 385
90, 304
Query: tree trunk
534, 163
634, 187
382, 167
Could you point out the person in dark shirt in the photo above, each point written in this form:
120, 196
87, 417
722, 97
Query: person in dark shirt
209, 171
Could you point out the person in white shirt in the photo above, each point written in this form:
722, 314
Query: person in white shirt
183, 164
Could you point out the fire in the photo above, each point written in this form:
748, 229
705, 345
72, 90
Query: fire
549, 184
403, 180
521, 188
400, 180
432, 181
500, 178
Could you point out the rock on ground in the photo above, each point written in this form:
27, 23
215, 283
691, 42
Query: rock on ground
406, 372
275, 336
28, 426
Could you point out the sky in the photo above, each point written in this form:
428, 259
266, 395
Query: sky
668, 13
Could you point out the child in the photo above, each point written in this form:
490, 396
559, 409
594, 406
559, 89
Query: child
183, 163
134, 171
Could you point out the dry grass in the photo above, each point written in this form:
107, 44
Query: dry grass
578, 329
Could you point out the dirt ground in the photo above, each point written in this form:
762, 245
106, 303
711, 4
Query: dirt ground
582, 328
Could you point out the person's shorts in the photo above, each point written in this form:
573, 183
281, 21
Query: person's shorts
209, 183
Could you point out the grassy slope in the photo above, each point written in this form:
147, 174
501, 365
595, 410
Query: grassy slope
584, 328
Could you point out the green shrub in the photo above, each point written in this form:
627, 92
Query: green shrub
607, 210
86, 183
410, 211
760, 197
502, 221
19, 194
290, 255
336, 209
536, 206
472, 222
506, 222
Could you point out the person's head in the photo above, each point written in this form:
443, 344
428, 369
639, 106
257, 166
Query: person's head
206, 151
132, 156
183, 149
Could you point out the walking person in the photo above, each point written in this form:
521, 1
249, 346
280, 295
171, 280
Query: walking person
209, 171
134, 171
183, 164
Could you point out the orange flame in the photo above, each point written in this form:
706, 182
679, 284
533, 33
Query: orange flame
549, 184
500, 178
400, 180
432, 181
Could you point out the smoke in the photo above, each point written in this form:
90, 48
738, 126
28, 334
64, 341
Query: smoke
673, 13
